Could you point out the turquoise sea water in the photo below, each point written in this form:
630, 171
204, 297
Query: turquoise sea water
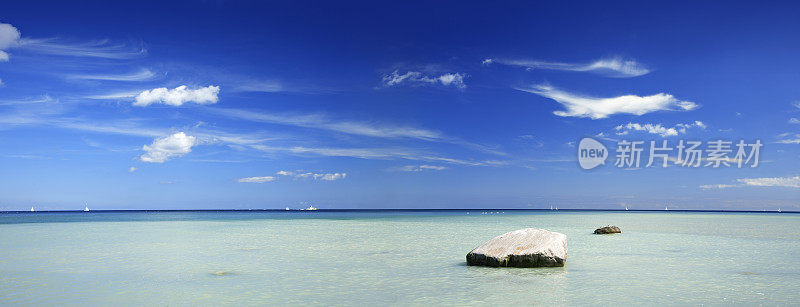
396, 257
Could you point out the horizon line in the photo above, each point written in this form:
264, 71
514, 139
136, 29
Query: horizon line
400, 209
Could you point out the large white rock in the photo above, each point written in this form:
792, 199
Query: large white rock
530, 247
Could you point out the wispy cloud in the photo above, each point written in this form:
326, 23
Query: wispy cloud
28, 100
257, 179
330, 177
140, 75
322, 122
299, 175
260, 86
788, 182
115, 96
596, 108
658, 128
419, 168
162, 150
372, 154
794, 121
95, 49
787, 138
173, 146
131, 127
362, 153
612, 67
178, 96
418, 78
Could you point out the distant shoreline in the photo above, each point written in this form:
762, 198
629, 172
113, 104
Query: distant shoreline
397, 210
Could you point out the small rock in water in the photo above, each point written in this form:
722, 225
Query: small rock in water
524, 248
607, 230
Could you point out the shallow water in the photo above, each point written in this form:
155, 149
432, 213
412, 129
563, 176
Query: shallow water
395, 257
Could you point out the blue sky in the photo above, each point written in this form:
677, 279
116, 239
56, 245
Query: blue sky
236, 104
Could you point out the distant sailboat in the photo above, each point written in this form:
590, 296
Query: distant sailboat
666, 209
85, 207
626, 208
32, 209
551, 207
779, 210
287, 209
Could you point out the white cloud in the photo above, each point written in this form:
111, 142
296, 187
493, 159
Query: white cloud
178, 96
718, 186
419, 168
140, 75
788, 182
658, 128
132, 169
612, 67
257, 179
9, 37
330, 177
596, 108
487, 61
304, 175
173, 146
792, 182
315, 176
794, 121
415, 77
696, 123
